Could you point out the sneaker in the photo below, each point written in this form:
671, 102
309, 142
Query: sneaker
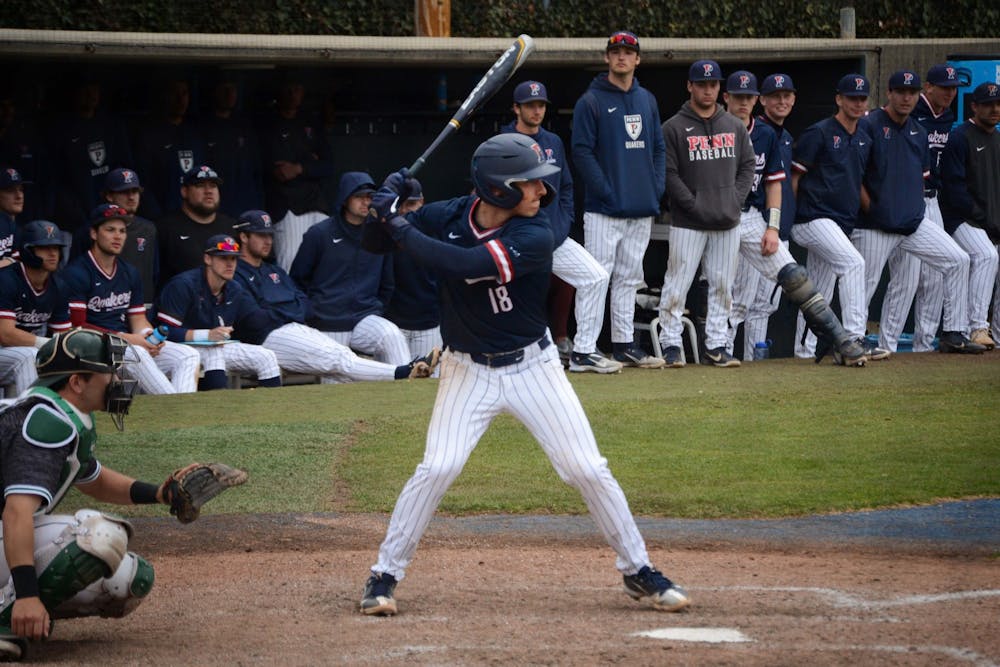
672, 357
982, 337
423, 367
850, 352
593, 362
377, 598
651, 584
955, 341
719, 357
873, 352
565, 349
633, 355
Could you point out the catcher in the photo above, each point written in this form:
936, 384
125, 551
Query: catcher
61, 566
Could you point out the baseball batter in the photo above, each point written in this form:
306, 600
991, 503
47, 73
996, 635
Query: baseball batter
494, 260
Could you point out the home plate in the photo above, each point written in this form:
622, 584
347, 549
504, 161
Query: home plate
709, 635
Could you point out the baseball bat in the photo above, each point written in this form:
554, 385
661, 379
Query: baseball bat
492, 81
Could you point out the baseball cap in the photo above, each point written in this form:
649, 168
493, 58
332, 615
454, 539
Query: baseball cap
623, 38
705, 70
416, 190
945, 76
530, 91
10, 177
363, 189
853, 85
904, 78
105, 212
742, 82
986, 92
255, 221
202, 174
222, 245
774, 82
119, 180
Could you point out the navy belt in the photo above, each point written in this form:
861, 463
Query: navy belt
501, 359
930, 193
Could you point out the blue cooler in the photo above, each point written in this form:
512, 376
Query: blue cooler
972, 71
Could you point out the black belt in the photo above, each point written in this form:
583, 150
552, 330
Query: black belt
501, 359
930, 193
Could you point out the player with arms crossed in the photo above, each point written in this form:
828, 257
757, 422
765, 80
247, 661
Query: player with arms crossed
494, 259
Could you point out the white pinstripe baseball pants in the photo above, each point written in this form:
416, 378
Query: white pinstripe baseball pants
178, 361
17, 368
302, 349
242, 358
982, 274
832, 256
572, 263
908, 276
754, 272
936, 249
618, 245
717, 252
378, 337
422, 341
288, 235
537, 393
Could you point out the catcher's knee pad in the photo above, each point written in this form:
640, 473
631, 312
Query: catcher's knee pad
796, 284
114, 596
103, 536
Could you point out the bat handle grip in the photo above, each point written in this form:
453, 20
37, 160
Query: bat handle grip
415, 167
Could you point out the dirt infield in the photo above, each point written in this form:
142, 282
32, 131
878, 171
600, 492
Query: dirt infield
284, 590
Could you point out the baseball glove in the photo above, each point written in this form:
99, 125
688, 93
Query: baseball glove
188, 488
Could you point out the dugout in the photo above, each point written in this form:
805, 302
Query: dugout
381, 100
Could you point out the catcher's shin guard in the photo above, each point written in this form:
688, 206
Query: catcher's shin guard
114, 596
830, 333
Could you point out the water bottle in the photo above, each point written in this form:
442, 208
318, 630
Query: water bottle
157, 335
761, 350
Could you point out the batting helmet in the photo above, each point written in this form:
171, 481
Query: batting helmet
39, 233
505, 159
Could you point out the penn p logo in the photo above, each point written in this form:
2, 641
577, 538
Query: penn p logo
992, 90
779, 82
708, 69
128, 176
50, 231
633, 125
534, 89
14, 176
538, 151
859, 83
951, 73
744, 81
907, 78
266, 219
836, 141
885, 132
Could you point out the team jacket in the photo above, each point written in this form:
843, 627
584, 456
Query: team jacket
494, 283
970, 180
182, 241
98, 299
832, 162
414, 304
618, 151
710, 168
274, 291
187, 303
894, 177
40, 313
784, 139
163, 152
231, 147
560, 210
46, 446
938, 128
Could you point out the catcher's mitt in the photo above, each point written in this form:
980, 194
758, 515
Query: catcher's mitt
188, 488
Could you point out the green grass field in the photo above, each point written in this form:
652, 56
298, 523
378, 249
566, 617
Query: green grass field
778, 438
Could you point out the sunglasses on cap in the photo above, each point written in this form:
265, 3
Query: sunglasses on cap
113, 212
228, 246
623, 38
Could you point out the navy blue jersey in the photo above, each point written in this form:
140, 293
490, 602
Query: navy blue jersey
787, 192
894, 177
832, 162
938, 128
274, 291
187, 302
163, 153
768, 165
560, 210
40, 313
7, 230
493, 282
100, 299
970, 166
232, 150
344, 283
414, 304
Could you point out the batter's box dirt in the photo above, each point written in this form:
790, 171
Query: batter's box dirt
286, 592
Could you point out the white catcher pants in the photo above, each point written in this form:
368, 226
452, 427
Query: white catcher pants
618, 245
536, 392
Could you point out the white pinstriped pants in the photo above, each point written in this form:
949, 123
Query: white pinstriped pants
17, 368
178, 361
936, 249
572, 263
754, 273
908, 276
302, 349
537, 393
378, 337
288, 235
422, 341
832, 256
982, 274
242, 358
618, 245
718, 253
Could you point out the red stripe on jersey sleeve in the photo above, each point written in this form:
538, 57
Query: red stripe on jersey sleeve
172, 321
505, 269
798, 166
776, 176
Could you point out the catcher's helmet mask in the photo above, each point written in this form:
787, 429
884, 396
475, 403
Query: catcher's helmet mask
84, 351
504, 160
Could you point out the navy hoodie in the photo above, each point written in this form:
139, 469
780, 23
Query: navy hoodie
618, 149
